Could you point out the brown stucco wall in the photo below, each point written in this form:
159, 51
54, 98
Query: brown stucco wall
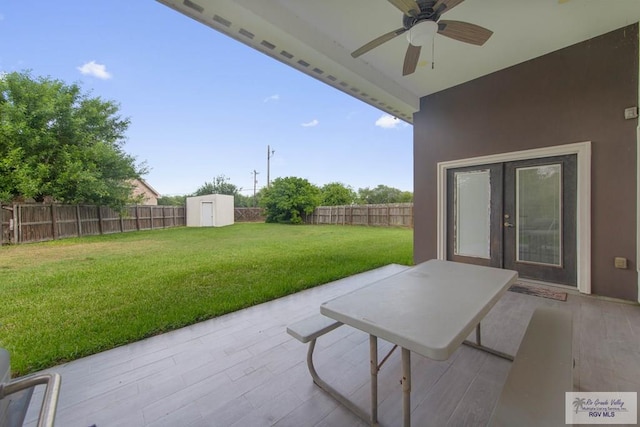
572, 95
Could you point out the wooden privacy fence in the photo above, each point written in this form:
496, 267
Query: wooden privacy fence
249, 214
24, 223
388, 215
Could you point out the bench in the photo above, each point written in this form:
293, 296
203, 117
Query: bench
15, 395
534, 392
311, 328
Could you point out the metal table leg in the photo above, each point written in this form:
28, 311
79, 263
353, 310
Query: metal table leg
478, 345
373, 351
375, 368
406, 387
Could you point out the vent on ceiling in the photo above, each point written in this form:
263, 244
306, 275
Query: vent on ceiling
318, 71
193, 5
332, 78
246, 33
286, 54
268, 45
303, 63
220, 20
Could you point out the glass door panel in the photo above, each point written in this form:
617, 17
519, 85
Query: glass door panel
474, 212
539, 214
472, 225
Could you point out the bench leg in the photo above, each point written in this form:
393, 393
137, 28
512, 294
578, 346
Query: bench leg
478, 345
335, 393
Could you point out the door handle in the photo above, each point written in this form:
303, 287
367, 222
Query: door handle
508, 224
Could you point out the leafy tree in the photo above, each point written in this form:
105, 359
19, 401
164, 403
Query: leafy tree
172, 200
288, 199
336, 193
243, 201
219, 185
383, 194
405, 197
58, 142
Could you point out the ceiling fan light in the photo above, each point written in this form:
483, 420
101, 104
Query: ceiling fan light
422, 33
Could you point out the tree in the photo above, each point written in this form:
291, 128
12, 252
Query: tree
219, 185
288, 199
383, 194
172, 200
242, 201
58, 142
336, 193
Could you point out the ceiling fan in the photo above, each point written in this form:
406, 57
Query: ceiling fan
422, 20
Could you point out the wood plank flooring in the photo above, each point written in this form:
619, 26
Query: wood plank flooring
243, 369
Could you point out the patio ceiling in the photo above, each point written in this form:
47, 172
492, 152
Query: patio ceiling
317, 38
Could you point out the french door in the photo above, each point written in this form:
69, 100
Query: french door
518, 215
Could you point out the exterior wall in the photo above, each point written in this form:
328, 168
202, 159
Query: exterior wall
223, 213
223, 208
149, 195
575, 94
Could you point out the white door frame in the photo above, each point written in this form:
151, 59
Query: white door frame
582, 150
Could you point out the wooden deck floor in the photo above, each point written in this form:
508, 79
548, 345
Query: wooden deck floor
244, 370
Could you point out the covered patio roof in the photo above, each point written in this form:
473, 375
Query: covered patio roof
318, 37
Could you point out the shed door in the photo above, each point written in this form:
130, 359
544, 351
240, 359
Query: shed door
206, 214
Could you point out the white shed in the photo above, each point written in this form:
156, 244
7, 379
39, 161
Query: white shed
211, 210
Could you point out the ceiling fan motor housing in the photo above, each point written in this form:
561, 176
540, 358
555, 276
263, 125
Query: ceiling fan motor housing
427, 13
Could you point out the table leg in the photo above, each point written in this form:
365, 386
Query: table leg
478, 345
373, 351
406, 387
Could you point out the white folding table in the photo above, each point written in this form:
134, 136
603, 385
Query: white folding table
429, 309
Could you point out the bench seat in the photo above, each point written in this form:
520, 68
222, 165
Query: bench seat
534, 392
312, 327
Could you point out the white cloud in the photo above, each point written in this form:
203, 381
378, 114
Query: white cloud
310, 124
96, 70
274, 97
388, 122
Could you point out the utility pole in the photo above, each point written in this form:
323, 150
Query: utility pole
270, 154
255, 181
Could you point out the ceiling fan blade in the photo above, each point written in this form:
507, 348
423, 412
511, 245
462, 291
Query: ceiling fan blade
377, 42
411, 59
464, 32
408, 7
448, 5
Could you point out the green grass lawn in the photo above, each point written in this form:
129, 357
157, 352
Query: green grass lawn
67, 299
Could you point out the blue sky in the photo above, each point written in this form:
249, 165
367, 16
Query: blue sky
202, 104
